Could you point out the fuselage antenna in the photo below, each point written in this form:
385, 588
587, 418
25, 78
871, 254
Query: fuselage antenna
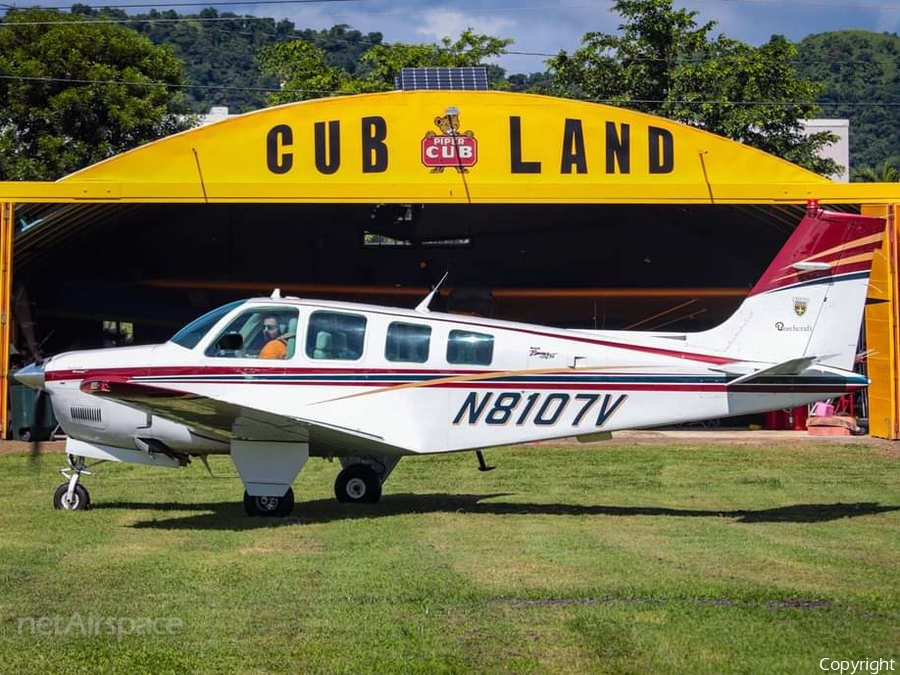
423, 306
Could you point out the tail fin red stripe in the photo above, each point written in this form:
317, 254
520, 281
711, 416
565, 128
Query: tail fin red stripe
846, 241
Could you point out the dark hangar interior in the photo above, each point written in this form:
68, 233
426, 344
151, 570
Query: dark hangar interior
157, 266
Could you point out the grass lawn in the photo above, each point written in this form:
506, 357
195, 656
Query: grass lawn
606, 558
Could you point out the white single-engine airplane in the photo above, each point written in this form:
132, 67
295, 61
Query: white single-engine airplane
370, 384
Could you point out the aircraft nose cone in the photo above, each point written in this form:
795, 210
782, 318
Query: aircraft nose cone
31, 375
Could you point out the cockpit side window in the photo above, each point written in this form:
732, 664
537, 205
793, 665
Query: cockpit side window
258, 333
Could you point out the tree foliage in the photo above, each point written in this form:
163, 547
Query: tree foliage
886, 173
661, 62
219, 54
304, 71
860, 74
73, 93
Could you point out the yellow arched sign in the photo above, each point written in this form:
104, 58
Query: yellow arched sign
449, 146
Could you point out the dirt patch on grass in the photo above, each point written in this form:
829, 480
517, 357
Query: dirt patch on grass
24, 447
642, 437
739, 437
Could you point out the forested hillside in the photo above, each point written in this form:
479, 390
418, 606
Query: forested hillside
220, 49
861, 73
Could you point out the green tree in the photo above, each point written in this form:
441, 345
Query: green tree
886, 173
663, 63
343, 45
74, 92
304, 71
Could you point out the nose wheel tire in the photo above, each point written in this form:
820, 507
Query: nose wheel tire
270, 507
357, 484
80, 500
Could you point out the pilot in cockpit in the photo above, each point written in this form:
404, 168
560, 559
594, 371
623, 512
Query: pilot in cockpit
274, 332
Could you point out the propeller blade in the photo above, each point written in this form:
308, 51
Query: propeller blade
32, 376
37, 425
22, 310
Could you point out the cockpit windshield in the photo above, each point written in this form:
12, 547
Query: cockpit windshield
190, 335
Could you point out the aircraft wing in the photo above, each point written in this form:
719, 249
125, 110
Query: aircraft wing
228, 420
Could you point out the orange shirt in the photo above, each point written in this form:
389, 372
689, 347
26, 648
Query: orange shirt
274, 349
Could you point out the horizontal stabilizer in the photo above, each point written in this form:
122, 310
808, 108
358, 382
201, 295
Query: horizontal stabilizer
789, 367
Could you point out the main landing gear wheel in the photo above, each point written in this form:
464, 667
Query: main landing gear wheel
357, 484
271, 507
79, 501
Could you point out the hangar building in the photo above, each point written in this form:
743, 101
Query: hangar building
539, 209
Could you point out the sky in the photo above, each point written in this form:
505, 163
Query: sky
539, 28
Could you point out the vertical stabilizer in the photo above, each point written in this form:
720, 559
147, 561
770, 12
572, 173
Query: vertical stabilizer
810, 300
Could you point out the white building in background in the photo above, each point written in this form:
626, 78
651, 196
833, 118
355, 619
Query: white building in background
216, 114
839, 151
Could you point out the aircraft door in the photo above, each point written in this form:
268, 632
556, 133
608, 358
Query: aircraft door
409, 348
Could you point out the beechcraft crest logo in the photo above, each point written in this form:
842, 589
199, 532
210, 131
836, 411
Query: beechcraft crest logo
448, 147
800, 306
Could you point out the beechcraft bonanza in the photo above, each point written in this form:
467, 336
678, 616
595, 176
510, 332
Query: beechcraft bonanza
369, 384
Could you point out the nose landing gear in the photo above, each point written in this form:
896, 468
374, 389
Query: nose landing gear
70, 496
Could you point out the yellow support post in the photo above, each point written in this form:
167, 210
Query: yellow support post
883, 330
7, 219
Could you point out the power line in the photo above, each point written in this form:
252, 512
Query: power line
328, 92
133, 83
196, 18
198, 4
494, 8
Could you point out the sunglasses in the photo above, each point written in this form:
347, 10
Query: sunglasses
267, 326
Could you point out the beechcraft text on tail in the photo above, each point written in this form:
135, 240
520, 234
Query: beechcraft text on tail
274, 381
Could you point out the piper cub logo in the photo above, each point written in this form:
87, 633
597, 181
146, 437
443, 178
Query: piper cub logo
448, 147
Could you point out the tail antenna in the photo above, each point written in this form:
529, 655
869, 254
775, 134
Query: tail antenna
422, 307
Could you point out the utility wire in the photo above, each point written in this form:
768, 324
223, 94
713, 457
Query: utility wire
328, 92
495, 8
217, 3
297, 33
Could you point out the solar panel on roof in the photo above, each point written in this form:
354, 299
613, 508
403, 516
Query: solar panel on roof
469, 78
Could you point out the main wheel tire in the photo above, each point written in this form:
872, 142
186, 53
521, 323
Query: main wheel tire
81, 498
357, 484
270, 507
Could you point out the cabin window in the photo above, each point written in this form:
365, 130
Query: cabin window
249, 335
407, 342
466, 347
335, 335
